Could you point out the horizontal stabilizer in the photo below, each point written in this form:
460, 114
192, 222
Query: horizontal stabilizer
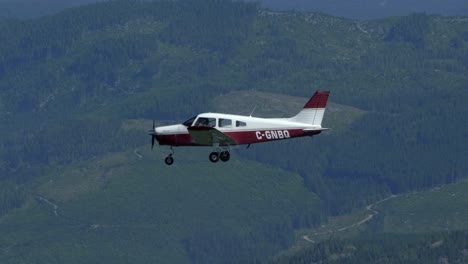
316, 129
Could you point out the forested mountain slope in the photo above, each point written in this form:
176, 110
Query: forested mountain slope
129, 207
434, 210
73, 84
27, 9
447, 247
358, 9
419, 227
367, 9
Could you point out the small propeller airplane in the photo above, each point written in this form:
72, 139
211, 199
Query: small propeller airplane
222, 131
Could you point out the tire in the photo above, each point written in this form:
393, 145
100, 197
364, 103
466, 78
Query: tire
224, 156
169, 160
214, 157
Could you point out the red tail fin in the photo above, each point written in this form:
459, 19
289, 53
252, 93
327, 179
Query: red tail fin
313, 110
318, 100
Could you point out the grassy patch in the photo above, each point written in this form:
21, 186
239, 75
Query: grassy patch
439, 209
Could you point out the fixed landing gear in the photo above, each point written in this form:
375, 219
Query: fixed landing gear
169, 160
216, 156
224, 156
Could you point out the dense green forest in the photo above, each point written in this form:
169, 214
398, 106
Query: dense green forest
361, 9
79, 88
386, 248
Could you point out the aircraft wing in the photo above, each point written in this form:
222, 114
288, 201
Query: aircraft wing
210, 136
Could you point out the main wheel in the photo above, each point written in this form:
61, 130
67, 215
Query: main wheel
214, 157
224, 156
169, 160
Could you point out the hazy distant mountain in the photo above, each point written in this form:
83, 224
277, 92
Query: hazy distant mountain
36, 8
365, 9
358, 9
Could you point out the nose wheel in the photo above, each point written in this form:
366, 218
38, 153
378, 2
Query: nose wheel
169, 160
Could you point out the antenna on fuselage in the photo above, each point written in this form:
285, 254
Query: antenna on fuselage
252, 111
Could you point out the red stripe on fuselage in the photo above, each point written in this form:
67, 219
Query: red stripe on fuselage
241, 137
175, 140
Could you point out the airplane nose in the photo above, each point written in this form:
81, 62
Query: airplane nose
153, 134
153, 131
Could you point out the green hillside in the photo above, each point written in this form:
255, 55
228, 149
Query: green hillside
78, 90
419, 227
435, 210
409, 213
444, 247
128, 207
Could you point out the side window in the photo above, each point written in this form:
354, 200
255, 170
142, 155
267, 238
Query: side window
211, 122
206, 121
225, 122
240, 124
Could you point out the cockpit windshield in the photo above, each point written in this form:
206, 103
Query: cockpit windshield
189, 122
206, 122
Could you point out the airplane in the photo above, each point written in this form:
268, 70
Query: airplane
222, 131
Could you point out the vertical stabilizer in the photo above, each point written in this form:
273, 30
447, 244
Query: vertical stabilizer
313, 110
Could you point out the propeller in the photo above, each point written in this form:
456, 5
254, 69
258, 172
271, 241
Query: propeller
153, 135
